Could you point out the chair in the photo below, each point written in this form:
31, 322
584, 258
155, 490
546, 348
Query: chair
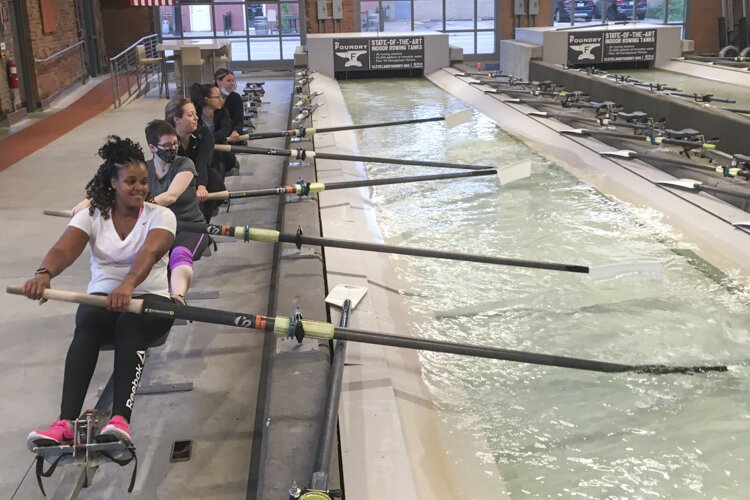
148, 63
189, 56
223, 56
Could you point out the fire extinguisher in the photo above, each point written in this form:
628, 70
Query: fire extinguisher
13, 82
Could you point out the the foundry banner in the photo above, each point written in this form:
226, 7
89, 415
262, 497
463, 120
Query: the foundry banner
589, 47
382, 53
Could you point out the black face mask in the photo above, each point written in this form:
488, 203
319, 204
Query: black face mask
167, 155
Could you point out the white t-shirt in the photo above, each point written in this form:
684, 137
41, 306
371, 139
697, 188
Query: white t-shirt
111, 257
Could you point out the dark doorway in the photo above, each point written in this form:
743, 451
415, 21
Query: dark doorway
21, 53
87, 30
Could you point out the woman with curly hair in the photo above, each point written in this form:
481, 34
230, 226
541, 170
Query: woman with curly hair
129, 240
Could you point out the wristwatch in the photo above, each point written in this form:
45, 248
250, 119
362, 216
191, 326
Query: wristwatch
43, 270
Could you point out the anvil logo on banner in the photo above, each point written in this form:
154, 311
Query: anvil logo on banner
585, 50
352, 57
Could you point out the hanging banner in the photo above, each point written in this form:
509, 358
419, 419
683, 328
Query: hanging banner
591, 47
151, 3
378, 54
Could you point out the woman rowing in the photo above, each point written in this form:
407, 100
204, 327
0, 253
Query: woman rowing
172, 183
129, 239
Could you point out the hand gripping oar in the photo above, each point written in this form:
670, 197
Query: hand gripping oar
301, 154
301, 188
451, 120
246, 233
654, 140
295, 327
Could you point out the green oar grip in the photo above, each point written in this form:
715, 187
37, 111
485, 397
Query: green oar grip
256, 234
313, 329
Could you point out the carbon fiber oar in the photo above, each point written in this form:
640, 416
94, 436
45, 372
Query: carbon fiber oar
451, 120
650, 270
302, 188
651, 139
633, 155
296, 327
301, 154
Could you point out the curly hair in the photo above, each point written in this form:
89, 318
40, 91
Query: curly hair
116, 153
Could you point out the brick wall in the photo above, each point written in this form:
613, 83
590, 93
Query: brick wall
5, 101
349, 24
124, 24
54, 76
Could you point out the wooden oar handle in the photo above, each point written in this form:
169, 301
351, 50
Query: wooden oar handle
223, 147
59, 213
135, 306
244, 137
218, 195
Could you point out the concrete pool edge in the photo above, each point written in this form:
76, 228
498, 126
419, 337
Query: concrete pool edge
394, 444
703, 220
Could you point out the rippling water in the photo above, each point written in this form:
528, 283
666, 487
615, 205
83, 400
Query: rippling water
558, 432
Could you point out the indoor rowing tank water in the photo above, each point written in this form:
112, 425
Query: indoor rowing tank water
557, 432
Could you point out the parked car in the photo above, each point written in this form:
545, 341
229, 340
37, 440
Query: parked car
583, 10
619, 10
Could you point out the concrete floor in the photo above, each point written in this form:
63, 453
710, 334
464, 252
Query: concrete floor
222, 362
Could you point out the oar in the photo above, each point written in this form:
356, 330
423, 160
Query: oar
296, 327
59, 213
704, 97
648, 138
451, 120
583, 118
608, 271
301, 154
346, 297
693, 185
633, 155
301, 188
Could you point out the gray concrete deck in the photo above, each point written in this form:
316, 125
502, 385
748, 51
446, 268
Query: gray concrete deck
222, 362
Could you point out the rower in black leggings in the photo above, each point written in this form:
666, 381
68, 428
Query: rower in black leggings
129, 240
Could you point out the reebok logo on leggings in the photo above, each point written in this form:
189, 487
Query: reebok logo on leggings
138, 370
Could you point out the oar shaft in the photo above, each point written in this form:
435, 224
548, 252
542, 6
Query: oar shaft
302, 154
383, 124
317, 187
325, 331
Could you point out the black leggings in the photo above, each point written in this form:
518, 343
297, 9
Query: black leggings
215, 183
131, 335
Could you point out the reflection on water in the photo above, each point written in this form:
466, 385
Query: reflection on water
558, 432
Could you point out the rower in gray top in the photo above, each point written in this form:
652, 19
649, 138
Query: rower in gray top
186, 207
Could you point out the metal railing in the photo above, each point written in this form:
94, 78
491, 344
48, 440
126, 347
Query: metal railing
59, 54
126, 64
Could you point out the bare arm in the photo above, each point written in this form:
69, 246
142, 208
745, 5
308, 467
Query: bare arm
81, 205
178, 186
156, 245
62, 254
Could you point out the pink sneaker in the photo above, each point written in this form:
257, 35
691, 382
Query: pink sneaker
117, 428
58, 433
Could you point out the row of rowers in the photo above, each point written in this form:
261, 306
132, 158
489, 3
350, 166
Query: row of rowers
129, 220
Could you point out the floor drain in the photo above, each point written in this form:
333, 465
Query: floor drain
181, 451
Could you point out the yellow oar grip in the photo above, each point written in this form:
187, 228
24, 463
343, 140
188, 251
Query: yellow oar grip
314, 187
255, 234
313, 329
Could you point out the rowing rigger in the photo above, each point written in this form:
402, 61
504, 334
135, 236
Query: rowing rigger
294, 327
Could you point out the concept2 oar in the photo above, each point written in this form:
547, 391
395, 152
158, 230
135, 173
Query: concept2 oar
451, 120
302, 188
296, 327
648, 138
247, 233
301, 154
